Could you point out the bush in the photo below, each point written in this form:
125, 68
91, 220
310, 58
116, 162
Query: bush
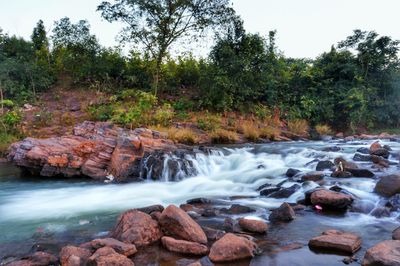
298, 126
209, 122
6, 140
270, 133
182, 135
222, 136
11, 119
101, 113
323, 130
7, 103
163, 116
251, 131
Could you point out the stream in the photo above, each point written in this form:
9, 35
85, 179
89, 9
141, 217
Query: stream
51, 212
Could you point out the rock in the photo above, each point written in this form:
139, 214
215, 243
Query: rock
238, 209
344, 165
363, 150
313, 176
341, 174
380, 212
198, 201
40, 258
94, 150
324, 165
137, 228
183, 246
331, 199
284, 193
396, 234
268, 191
231, 248
358, 172
178, 224
213, 234
197, 263
331, 149
362, 157
231, 225
388, 185
292, 172
120, 247
151, 209
386, 253
74, 256
333, 240
393, 203
253, 226
284, 213
107, 256
381, 152
375, 146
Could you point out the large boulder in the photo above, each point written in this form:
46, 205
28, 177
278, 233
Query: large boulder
253, 226
313, 176
120, 247
230, 248
332, 240
324, 165
396, 234
284, 213
107, 256
386, 253
183, 246
331, 199
388, 185
137, 228
74, 256
284, 193
178, 224
37, 259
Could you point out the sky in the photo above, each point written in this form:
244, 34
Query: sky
306, 28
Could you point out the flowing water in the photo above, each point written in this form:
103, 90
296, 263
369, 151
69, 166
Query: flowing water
41, 210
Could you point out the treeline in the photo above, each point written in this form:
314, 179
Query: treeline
353, 85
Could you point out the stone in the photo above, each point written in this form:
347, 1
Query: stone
385, 253
292, 172
331, 149
324, 165
363, 150
284, 193
74, 256
375, 146
151, 209
313, 176
362, 157
284, 213
393, 203
183, 246
178, 224
38, 258
358, 172
341, 174
333, 240
268, 191
388, 185
253, 226
107, 256
396, 234
213, 234
238, 209
231, 248
138, 228
120, 247
331, 199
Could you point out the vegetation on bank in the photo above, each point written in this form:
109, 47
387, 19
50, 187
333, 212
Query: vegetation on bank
245, 86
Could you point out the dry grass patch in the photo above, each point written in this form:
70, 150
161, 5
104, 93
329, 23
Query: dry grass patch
269, 132
251, 131
222, 136
298, 126
182, 135
323, 130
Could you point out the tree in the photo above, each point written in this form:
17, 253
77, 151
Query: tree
157, 24
39, 36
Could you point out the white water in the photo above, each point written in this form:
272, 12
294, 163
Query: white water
237, 173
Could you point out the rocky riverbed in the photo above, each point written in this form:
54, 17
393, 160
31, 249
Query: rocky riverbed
294, 203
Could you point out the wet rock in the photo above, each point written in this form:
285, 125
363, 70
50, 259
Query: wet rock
120, 247
393, 203
284, 193
156, 215
363, 150
344, 165
183, 246
178, 224
196, 263
324, 165
284, 213
375, 146
333, 240
362, 206
231, 225
231, 248
358, 172
331, 199
137, 228
268, 191
36, 259
292, 172
396, 234
198, 201
107, 256
238, 209
74, 256
388, 185
313, 176
362, 157
331, 149
152, 208
253, 226
349, 260
380, 212
386, 253
213, 234
341, 174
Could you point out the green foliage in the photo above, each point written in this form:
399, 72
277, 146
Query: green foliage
11, 119
209, 122
164, 114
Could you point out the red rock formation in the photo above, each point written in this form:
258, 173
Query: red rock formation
231, 248
333, 240
183, 246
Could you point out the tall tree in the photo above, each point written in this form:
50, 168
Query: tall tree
39, 36
157, 24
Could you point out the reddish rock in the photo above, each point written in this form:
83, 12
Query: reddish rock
396, 234
183, 246
333, 240
197, 263
178, 224
284, 213
313, 176
74, 256
375, 146
231, 248
386, 253
253, 226
107, 256
43, 258
120, 247
213, 234
137, 228
331, 199
388, 185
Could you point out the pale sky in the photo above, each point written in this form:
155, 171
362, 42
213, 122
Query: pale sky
305, 28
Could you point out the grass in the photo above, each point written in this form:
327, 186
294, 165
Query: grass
223, 136
269, 132
298, 126
323, 130
6, 140
182, 135
251, 131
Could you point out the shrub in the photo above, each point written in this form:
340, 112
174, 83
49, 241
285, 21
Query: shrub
298, 126
11, 119
6, 140
182, 135
101, 112
209, 122
7, 103
270, 133
323, 130
222, 136
251, 131
163, 116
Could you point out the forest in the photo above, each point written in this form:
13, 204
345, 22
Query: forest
353, 86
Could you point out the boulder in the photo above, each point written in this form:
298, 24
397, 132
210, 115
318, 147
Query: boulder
213, 234
292, 172
324, 165
284, 193
396, 234
393, 203
138, 228
386, 253
332, 240
388, 185
341, 174
313, 176
183, 246
363, 150
74, 256
331, 149
331, 199
120, 247
231, 248
178, 224
375, 146
268, 191
238, 209
253, 226
151, 209
360, 157
284, 213
107, 256
43, 258
358, 172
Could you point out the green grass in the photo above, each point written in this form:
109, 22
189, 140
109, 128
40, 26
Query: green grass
392, 131
6, 140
